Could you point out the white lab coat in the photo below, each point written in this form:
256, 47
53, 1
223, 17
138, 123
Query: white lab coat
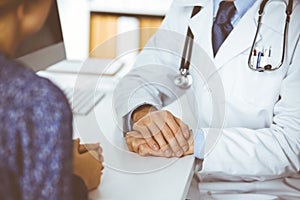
256, 116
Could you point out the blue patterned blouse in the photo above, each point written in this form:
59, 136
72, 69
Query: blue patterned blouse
35, 137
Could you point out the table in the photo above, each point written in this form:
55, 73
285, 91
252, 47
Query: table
126, 175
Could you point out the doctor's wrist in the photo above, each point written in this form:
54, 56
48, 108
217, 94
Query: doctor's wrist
141, 112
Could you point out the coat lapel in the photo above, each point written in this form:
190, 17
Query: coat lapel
236, 43
201, 25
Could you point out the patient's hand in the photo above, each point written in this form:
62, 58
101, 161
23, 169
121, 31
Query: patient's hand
87, 163
136, 143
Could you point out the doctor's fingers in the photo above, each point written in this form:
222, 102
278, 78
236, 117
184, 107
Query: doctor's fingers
159, 138
129, 138
179, 131
145, 150
138, 145
184, 128
172, 141
172, 133
133, 140
182, 135
142, 127
152, 133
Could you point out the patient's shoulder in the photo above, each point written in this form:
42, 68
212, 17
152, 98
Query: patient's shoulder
23, 90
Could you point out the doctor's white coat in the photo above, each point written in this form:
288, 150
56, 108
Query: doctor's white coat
253, 117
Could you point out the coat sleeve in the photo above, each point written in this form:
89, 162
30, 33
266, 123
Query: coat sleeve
151, 80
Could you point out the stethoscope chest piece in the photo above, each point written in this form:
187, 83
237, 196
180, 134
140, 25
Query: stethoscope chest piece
183, 80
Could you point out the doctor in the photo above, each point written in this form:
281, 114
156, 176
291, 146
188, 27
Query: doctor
247, 127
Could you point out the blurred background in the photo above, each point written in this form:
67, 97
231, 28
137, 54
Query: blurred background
86, 24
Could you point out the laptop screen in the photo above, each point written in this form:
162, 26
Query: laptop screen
45, 47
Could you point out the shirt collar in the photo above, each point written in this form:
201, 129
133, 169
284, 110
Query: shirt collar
241, 6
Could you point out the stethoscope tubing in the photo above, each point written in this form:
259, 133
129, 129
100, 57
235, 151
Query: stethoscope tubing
184, 79
286, 27
188, 46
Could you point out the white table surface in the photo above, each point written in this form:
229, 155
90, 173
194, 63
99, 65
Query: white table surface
126, 175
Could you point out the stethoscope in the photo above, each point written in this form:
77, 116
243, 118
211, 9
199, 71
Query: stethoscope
184, 79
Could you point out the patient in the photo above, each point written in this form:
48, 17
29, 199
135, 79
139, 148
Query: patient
36, 121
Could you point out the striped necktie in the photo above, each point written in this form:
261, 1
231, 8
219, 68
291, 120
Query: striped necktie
222, 25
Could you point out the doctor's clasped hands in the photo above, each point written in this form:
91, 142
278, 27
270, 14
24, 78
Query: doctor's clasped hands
159, 133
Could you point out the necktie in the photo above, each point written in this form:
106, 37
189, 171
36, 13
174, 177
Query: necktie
222, 24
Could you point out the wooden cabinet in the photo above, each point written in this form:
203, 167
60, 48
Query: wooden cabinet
104, 28
148, 26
